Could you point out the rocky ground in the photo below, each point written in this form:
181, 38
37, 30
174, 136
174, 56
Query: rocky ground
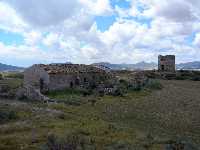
150, 119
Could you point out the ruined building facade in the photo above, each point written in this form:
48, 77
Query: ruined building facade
59, 76
166, 63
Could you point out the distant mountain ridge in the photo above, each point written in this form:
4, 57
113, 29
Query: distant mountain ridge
189, 65
138, 66
4, 67
149, 66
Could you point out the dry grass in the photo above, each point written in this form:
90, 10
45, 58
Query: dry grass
140, 119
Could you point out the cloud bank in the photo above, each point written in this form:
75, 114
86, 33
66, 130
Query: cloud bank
62, 31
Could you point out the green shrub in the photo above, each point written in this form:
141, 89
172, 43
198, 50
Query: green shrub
73, 97
86, 92
65, 92
5, 88
186, 75
136, 88
118, 92
7, 115
196, 78
121, 89
182, 77
70, 142
123, 83
154, 85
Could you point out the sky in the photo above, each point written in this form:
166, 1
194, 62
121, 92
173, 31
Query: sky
89, 31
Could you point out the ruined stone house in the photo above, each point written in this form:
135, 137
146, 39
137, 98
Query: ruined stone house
59, 76
166, 63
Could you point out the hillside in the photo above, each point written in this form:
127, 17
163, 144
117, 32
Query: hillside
4, 67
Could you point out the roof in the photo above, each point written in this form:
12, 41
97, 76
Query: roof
70, 68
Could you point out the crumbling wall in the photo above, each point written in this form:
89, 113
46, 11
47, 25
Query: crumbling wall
61, 81
31, 93
166, 63
74, 80
34, 75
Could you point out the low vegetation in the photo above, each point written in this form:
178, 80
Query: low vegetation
154, 85
69, 96
9, 83
179, 75
69, 142
11, 80
161, 115
7, 115
13, 75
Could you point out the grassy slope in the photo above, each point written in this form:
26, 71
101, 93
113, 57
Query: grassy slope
12, 80
163, 114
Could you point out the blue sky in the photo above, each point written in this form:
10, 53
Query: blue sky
88, 31
10, 38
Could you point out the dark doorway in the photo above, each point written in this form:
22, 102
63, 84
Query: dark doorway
41, 84
93, 77
162, 67
77, 81
71, 85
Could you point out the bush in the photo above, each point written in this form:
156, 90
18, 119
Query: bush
136, 88
121, 88
118, 92
70, 142
7, 115
86, 92
5, 88
123, 83
154, 85
181, 78
197, 78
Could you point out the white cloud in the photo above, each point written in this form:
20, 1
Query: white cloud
51, 39
197, 40
32, 37
178, 11
97, 7
9, 20
69, 31
43, 12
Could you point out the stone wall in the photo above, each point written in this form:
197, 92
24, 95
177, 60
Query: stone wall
74, 80
34, 75
60, 81
31, 93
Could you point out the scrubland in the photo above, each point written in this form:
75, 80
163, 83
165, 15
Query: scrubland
147, 119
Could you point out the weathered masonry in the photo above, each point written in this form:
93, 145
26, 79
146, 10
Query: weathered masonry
59, 76
166, 63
